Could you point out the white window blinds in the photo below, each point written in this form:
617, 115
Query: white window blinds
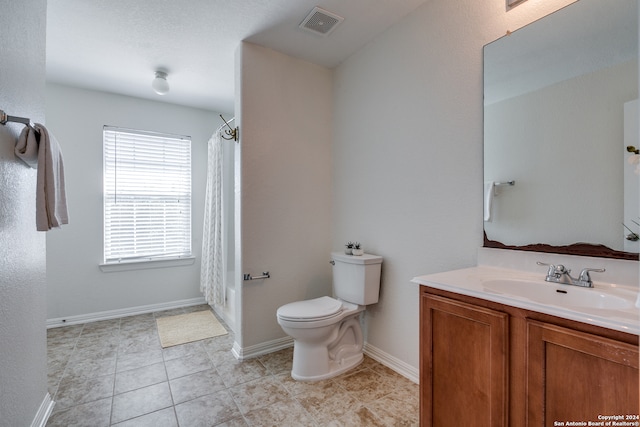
147, 195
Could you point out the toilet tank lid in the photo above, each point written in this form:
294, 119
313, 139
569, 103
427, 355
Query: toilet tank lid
356, 259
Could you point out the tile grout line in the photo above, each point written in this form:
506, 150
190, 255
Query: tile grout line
115, 371
166, 372
66, 365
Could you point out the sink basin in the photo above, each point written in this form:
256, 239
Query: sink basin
609, 305
560, 295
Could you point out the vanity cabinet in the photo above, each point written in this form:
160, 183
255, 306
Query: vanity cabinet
573, 376
463, 376
485, 363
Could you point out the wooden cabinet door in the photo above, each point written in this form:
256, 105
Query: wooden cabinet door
575, 377
464, 364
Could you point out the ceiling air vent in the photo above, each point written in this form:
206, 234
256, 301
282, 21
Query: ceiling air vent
320, 21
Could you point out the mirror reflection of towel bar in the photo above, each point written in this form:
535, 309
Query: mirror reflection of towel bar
502, 184
265, 275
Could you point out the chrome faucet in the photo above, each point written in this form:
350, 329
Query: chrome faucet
560, 274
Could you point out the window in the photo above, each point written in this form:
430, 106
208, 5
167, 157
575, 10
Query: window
147, 196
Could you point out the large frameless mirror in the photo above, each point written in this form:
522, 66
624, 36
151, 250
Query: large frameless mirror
560, 108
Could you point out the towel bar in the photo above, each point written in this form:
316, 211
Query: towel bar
265, 275
4, 118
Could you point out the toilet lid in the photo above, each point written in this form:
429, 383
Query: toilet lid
317, 308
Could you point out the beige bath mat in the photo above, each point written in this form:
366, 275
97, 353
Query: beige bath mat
184, 328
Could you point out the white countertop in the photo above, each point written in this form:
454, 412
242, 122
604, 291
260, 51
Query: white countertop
471, 282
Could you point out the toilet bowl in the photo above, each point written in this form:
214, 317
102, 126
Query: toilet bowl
327, 337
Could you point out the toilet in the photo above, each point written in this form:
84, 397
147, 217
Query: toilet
326, 331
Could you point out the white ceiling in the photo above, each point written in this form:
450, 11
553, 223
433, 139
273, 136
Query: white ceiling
116, 45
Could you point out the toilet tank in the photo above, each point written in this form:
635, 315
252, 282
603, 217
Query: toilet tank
356, 279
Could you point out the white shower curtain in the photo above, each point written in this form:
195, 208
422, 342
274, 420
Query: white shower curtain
212, 283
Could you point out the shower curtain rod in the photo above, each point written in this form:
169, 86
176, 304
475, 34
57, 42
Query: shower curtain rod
4, 118
233, 133
226, 122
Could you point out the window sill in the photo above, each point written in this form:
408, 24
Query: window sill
146, 264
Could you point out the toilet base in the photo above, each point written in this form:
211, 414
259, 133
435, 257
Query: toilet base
335, 369
319, 359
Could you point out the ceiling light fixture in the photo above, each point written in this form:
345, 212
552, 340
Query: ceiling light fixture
159, 83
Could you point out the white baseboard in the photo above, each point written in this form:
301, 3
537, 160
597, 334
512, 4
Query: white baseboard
392, 363
44, 412
375, 353
123, 312
243, 353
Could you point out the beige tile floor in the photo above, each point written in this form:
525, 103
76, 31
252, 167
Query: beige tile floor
115, 373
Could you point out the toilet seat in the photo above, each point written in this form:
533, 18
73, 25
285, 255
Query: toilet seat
310, 310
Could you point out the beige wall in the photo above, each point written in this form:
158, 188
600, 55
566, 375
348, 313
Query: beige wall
407, 152
23, 345
284, 110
